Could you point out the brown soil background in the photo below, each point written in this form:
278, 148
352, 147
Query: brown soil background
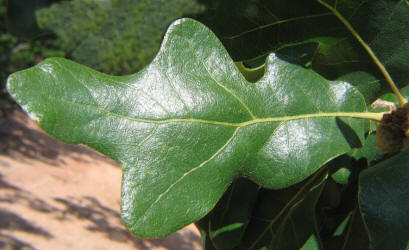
59, 196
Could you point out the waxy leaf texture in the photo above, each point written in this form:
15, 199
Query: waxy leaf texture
189, 124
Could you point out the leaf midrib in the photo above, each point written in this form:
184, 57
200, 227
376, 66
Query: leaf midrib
359, 115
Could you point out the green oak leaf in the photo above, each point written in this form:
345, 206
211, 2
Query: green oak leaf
189, 124
384, 202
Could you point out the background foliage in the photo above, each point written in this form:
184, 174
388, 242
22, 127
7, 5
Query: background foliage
117, 37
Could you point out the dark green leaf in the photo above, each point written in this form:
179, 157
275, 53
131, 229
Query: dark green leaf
356, 236
189, 124
227, 222
351, 234
384, 202
203, 226
285, 219
299, 228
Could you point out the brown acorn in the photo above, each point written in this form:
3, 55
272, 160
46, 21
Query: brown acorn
388, 140
393, 130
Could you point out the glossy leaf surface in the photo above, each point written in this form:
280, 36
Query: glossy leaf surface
189, 124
